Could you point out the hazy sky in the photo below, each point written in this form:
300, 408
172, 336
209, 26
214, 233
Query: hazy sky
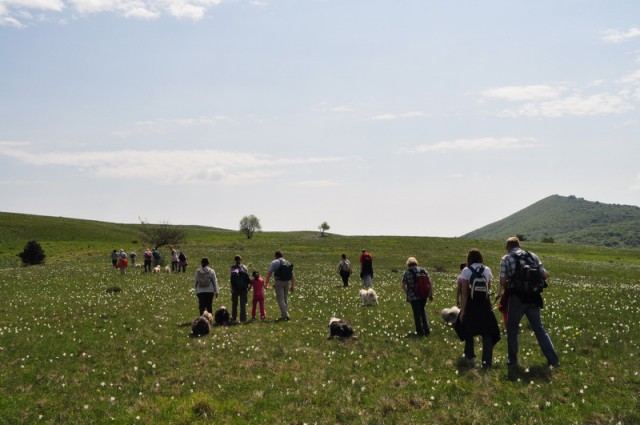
390, 117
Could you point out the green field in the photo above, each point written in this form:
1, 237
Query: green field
80, 343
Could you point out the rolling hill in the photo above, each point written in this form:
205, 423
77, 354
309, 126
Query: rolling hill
567, 219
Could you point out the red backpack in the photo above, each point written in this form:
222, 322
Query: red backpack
421, 284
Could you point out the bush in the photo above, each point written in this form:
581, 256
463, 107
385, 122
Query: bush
33, 254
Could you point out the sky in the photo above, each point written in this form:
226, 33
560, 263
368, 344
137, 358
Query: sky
379, 117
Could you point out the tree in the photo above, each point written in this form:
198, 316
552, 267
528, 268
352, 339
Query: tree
323, 227
158, 235
249, 224
33, 254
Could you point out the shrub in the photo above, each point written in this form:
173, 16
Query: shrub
32, 254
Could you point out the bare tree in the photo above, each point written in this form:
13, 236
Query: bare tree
249, 224
161, 234
324, 227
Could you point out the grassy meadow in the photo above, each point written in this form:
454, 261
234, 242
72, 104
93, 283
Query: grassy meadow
80, 343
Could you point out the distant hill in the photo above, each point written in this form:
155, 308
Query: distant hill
569, 220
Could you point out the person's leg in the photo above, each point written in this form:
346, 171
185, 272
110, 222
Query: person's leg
415, 308
202, 303
487, 350
234, 304
263, 312
516, 311
544, 341
243, 306
253, 309
281, 296
423, 317
469, 349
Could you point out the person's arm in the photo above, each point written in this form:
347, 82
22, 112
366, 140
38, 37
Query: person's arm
266, 280
214, 280
464, 298
293, 283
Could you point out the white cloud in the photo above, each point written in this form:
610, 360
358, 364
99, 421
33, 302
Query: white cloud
616, 36
392, 117
524, 93
177, 166
478, 144
342, 108
574, 105
15, 12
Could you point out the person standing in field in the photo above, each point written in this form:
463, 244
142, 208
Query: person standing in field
122, 261
239, 277
182, 262
285, 281
148, 257
344, 269
156, 257
476, 311
523, 302
206, 286
257, 284
174, 260
366, 269
114, 258
418, 300
133, 256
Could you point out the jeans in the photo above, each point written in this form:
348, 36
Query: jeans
420, 316
242, 296
487, 349
517, 309
205, 302
345, 277
282, 293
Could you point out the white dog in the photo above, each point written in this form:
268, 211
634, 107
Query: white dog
450, 315
167, 269
156, 269
369, 297
339, 328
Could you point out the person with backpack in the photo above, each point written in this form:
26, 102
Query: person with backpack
418, 288
148, 256
206, 286
366, 269
344, 269
122, 262
476, 311
182, 262
239, 277
285, 281
133, 257
156, 257
522, 278
114, 258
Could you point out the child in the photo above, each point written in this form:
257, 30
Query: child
257, 284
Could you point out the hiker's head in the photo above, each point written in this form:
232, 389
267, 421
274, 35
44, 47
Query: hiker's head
278, 254
237, 259
411, 261
204, 262
513, 242
474, 256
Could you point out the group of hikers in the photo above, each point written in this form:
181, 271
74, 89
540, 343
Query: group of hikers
522, 279
151, 260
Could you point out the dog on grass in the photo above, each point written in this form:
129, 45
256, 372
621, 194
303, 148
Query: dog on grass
450, 315
369, 297
156, 269
221, 317
339, 328
201, 325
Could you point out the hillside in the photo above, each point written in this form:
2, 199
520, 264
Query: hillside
569, 220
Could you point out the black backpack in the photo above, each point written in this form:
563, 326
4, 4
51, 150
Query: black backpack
478, 285
239, 278
527, 278
285, 271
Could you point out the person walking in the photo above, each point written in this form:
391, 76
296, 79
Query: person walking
239, 277
366, 269
122, 261
476, 311
257, 284
133, 256
523, 302
285, 282
206, 286
156, 257
182, 262
114, 258
344, 269
412, 278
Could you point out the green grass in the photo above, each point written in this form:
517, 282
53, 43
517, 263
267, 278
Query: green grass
74, 350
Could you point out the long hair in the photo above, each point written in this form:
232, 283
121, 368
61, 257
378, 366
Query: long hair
474, 256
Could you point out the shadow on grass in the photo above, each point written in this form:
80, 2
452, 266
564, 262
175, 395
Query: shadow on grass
535, 373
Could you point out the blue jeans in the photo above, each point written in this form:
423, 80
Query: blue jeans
517, 309
420, 316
